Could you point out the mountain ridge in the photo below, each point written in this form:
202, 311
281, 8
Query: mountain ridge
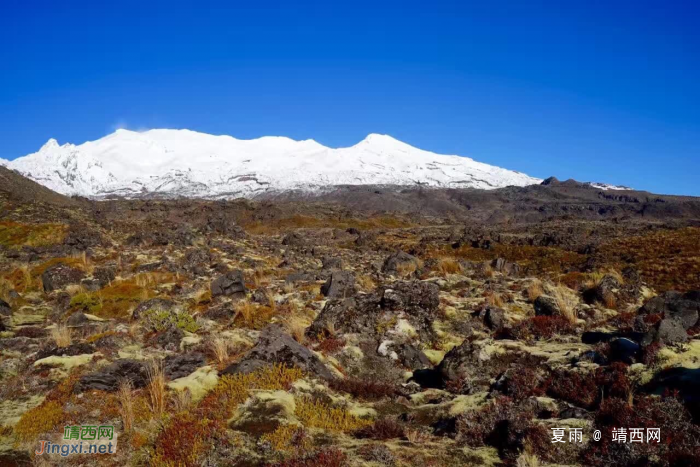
177, 163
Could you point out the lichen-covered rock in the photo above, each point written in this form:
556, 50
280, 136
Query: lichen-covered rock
231, 284
59, 276
340, 284
546, 306
179, 366
276, 346
400, 263
109, 378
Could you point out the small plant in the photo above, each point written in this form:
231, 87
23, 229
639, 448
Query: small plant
126, 404
534, 290
566, 302
286, 438
156, 387
382, 429
448, 266
160, 320
363, 389
317, 414
61, 335
220, 349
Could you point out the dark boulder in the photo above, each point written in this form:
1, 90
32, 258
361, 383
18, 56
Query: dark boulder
105, 274
400, 263
261, 297
682, 307
494, 317
109, 378
416, 298
231, 284
60, 275
5, 309
276, 346
340, 284
546, 306
669, 331
72, 350
168, 339
355, 314
179, 366
624, 350
77, 319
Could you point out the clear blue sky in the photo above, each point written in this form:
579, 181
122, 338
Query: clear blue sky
602, 90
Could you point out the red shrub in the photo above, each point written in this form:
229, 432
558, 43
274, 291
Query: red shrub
382, 429
541, 327
331, 345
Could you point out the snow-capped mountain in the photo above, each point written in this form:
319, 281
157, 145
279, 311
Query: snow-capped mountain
175, 163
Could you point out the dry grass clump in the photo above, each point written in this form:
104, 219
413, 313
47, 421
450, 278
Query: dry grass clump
126, 404
448, 265
61, 335
408, 269
316, 414
527, 459
494, 299
566, 302
251, 315
220, 349
365, 283
156, 387
296, 326
534, 290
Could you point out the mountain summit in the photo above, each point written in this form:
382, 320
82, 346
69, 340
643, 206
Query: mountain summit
173, 163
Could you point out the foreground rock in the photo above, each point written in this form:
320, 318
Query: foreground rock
276, 346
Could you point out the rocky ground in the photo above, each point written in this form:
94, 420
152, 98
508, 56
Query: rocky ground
330, 332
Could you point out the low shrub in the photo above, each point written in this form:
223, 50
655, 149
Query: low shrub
541, 327
316, 414
382, 429
328, 457
160, 320
363, 389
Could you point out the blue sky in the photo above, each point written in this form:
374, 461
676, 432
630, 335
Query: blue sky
604, 91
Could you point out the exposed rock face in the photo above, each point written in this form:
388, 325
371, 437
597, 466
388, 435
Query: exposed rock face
340, 284
179, 366
111, 376
276, 346
231, 284
60, 275
400, 262
169, 339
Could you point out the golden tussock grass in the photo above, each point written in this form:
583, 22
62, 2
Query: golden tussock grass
220, 349
156, 387
365, 283
495, 299
125, 395
534, 290
61, 335
316, 414
448, 266
566, 302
